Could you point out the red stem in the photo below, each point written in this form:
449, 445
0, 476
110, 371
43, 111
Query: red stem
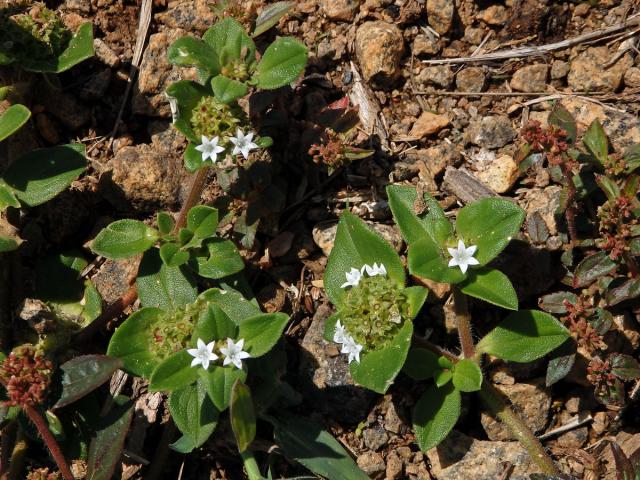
49, 440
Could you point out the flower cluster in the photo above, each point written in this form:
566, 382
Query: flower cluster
616, 226
462, 256
552, 140
354, 275
349, 346
578, 321
26, 375
372, 313
173, 329
232, 353
242, 144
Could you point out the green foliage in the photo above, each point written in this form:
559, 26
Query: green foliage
38, 41
524, 336
307, 443
282, 62
226, 60
194, 414
467, 376
489, 224
12, 119
124, 238
243, 415
41, 174
435, 415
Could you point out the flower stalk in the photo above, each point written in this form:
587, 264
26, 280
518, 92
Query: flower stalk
496, 403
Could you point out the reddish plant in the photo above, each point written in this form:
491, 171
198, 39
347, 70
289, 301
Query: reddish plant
27, 376
577, 320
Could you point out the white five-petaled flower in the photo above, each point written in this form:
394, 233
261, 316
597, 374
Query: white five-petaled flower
353, 278
210, 148
351, 348
374, 270
462, 256
203, 354
243, 143
339, 334
233, 353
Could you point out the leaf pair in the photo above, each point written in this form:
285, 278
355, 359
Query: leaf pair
356, 246
226, 46
488, 224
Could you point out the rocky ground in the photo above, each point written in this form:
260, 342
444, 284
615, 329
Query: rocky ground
451, 128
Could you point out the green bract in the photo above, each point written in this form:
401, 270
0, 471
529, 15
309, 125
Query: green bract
487, 224
377, 311
153, 343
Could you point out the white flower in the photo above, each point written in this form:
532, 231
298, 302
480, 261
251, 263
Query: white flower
210, 148
353, 278
242, 143
203, 354
340, 334
233, 353
351, 348
374, 270
462, 256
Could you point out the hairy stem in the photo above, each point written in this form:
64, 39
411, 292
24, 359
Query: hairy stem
499, 407
49, 440
463, 323
130, 296
112, 311
493, 398
250, 464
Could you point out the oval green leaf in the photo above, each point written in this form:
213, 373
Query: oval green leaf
413, 227
12, 119
194, 413
524, 336
219, 382
262, 332
228, 90
217, 259
173, 373
41, 174
190, 51
131, 342
124, 238
492, 286
243, 415
435, 414
427, 259
467, 376
377, 369
282, 62
489, 224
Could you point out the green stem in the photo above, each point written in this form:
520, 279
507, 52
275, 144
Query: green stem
493, 398
250, 464
498, 405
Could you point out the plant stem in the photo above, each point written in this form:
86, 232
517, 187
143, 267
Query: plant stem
493, 398
463, 323
570, 211
130, 296
250, 464
49, 440
501, 409
112, 311
195, 192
